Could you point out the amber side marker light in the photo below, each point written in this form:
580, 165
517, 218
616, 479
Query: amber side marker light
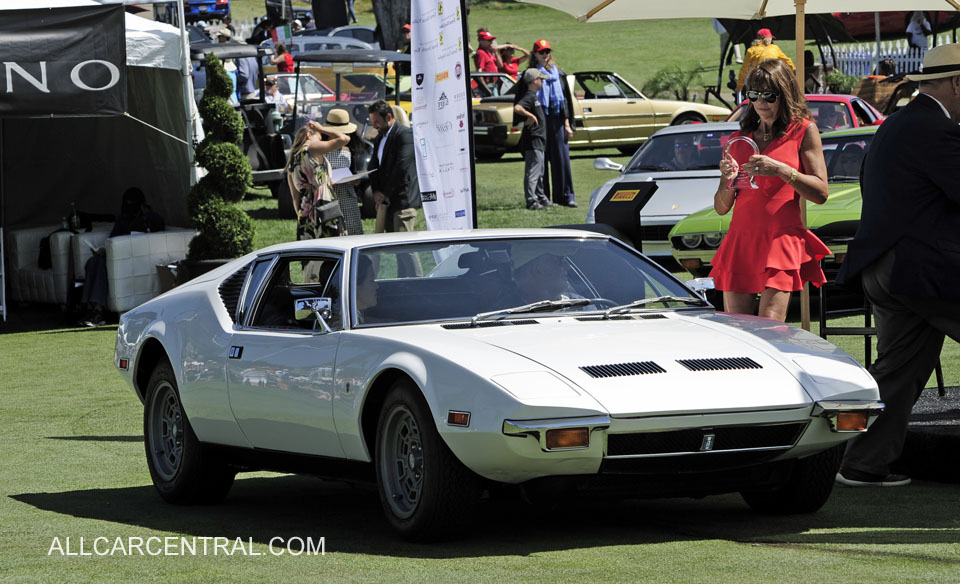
690, 263
851, 421
568, 438
458, 418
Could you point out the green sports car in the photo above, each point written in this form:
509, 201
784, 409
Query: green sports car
696, 238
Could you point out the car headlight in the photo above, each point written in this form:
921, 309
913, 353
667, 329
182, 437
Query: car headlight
691, 241
712, 239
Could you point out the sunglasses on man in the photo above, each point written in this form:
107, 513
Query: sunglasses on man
767, 96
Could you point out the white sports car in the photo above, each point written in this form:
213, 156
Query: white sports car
441, 363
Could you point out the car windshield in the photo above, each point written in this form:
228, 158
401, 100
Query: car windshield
679, 152
844, 155
493, 279
309, 87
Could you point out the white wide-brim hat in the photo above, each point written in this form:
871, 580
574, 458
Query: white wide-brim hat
939, 62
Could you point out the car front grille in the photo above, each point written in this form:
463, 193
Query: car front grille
724, 438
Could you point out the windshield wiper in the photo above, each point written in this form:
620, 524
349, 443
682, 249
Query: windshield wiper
539, 306
643, 302
649, 167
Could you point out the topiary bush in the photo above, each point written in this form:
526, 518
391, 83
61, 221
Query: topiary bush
225, 231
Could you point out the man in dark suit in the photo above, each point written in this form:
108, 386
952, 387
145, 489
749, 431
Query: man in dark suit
906, 254
395, 182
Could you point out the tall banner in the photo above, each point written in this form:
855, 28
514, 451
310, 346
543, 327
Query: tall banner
69, 61
441, 113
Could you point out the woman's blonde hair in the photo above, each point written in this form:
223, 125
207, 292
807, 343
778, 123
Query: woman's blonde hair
774, 75
301, 137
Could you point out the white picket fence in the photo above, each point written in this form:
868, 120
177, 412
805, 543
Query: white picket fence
860, 59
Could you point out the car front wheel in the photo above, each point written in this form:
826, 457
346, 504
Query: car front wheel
180, 470
808, 488
425, 491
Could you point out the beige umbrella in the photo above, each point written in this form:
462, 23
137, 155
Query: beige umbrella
612, 10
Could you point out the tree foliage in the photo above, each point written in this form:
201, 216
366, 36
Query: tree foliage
672, 81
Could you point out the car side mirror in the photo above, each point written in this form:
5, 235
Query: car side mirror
606, 164
319, 308
701, 285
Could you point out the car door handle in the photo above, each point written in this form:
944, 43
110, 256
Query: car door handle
631, 101
587, 110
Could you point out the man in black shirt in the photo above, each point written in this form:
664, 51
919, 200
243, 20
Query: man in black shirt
533, 140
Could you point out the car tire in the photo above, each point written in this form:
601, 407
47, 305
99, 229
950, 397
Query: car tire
489, 156
688, 118
628, 150
807, 489
181, 471
425, 491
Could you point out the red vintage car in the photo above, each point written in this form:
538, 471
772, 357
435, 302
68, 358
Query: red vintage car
832, 112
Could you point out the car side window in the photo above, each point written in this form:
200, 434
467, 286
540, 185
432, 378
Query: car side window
598, 87
625, 89
863, 118
254, 282
297, 277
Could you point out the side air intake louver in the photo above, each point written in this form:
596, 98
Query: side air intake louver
719, 364
488, 323
623, 369
230, 290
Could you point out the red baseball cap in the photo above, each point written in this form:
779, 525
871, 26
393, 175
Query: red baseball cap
540, 45
485, 36
406, 27
764, 33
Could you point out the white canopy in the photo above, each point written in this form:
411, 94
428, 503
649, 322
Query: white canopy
609, 10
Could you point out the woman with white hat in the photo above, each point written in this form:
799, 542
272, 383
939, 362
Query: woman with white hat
339, 120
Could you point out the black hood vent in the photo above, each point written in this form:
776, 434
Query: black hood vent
623, 369
720, 364
488, 323
622, 317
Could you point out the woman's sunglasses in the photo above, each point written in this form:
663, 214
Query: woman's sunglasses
767, 96
544, 52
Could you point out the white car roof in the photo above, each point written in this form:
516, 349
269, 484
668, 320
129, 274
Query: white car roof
358, 241
698, 128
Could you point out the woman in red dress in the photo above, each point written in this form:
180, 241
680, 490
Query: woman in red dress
283, 60
767, 250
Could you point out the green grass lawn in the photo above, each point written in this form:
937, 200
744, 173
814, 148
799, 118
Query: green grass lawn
72, 463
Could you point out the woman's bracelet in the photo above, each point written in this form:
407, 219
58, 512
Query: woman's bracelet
793, 176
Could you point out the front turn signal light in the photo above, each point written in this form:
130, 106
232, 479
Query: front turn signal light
568, 438
691, 263
851, 421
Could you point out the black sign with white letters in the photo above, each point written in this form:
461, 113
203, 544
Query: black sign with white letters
64, 61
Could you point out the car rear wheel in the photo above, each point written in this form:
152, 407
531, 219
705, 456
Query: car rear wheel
807, 489
688, 118
425, 491
180, 470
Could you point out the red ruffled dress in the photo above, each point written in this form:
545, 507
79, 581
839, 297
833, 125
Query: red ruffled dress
767, 245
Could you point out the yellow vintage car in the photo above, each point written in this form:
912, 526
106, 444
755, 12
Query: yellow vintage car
608, 112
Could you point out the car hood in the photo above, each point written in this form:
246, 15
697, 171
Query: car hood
583, 352
679, 194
